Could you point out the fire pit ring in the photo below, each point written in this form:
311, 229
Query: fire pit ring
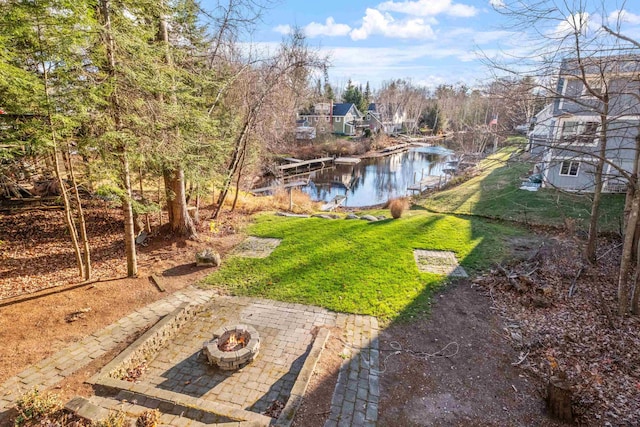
233, 347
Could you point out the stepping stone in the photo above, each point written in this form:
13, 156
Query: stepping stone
438, 262
256, 247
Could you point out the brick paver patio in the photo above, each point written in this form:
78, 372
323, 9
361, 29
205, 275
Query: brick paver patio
180, 369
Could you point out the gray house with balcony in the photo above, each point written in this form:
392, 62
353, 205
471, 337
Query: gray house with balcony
594, 97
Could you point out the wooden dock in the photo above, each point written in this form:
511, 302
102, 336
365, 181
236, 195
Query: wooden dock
430, 182
306, 164
347, 161
273, 188
334, 203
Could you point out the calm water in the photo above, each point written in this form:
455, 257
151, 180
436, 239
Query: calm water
374, 181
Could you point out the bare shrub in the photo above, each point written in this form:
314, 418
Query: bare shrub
34, 405
249, 204
150, 418
398, 206
114, 419
301, 201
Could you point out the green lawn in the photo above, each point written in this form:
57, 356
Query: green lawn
359, 267
495, 194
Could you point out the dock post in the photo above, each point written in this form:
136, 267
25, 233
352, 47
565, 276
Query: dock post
290, 199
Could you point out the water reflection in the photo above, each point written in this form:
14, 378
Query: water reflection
374, 181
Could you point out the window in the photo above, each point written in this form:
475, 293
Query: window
588, 134
322, 129
569, 168
595, 85
580, 132
338, 119
326, 119
569, 129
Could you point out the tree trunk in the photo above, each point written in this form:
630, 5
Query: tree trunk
127, 209
627, 254
240, 166
559, 399
241, 144
68, 216
147, 220
81, 224
68, 210
179, 219
180, 222
592, 242
635, 297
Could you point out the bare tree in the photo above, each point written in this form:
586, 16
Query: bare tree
289, 65
589, 74
401, 104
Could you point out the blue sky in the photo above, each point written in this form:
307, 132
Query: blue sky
429, 41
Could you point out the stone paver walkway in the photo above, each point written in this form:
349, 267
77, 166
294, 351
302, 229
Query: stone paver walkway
180, 369
64, 363
357, 393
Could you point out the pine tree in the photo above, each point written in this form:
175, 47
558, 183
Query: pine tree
43, 71
329, 94
129, 61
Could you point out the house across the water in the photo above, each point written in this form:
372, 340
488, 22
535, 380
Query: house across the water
327, 118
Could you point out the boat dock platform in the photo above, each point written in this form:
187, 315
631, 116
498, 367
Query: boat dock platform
306, 164
274, 188
333, 203
430, 182
346, 161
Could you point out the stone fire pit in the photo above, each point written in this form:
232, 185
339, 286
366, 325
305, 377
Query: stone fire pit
233, 347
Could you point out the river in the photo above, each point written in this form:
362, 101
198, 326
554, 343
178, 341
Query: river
374, 181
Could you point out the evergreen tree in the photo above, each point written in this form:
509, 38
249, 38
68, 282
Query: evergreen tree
129, 61
352, 94
44, 78
329, 94
366, 98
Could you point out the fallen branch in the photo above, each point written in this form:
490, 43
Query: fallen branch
521, 360
572, 288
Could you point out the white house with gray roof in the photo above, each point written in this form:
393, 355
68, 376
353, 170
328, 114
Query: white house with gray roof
566, 137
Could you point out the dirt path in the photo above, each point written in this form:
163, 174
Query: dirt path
476, 385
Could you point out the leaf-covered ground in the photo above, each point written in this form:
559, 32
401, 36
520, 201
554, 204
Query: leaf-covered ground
561, 315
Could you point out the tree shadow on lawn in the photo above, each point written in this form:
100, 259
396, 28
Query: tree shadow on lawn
499, 197
343, 274
454, 366
469, 379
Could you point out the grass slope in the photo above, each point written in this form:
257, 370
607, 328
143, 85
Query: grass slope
495, 194
356, 266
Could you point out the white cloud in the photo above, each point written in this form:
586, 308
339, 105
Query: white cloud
497, 3
329, 28
283, 29
624, 16
429, 8
374, 22
576, 23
